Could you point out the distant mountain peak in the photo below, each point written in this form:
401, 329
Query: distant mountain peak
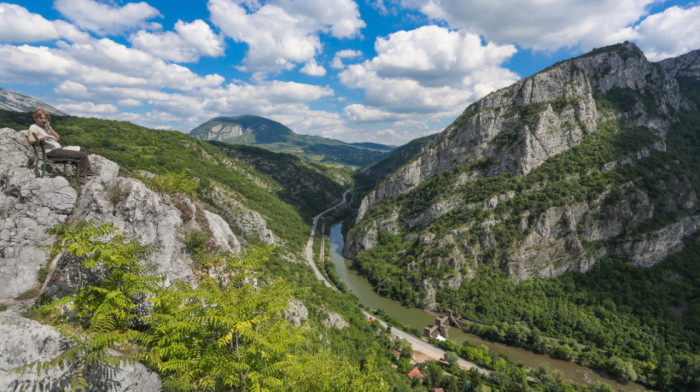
262, 132
17, 102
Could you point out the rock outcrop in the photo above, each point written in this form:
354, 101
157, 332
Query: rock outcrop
25, 341
29, 206
519, 127
512, 133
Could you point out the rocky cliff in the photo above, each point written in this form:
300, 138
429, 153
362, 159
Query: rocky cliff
545, 176
29, 206
518, 128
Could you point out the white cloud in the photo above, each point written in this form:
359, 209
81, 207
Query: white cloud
17, 24
283, 33
362, 113
427, 70
311, 68
201, 37
337, 62
73, 90
670, 33
187, 44
129, 102
104, 18
88, 108
540, 24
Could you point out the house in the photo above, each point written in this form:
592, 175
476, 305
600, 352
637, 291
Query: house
415, 373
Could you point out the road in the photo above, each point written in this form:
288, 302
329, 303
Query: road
422, 350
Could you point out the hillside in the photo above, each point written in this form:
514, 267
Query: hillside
271, 135
588, 166
17, 102
214, 231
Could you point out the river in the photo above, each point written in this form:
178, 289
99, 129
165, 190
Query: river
417, 318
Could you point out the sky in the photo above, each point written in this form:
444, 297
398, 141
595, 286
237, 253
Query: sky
383, 71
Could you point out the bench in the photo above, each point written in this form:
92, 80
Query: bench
40, 155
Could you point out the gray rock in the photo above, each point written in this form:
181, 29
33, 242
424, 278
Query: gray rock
656, 246
296, 313
24, 341
28, 207
515, 130
334, 320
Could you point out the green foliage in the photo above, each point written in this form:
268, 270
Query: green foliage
221, 337
171, 183
29, 294
323, 372
184, 164
16, 120
303, 185
3, 307
621, 369
226, 334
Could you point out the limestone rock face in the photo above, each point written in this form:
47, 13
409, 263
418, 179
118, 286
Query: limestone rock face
28, 207
222, 132
511, 133
335, 320
656, 246
243, 221
25, 341
519, 127
687, 65
296, 313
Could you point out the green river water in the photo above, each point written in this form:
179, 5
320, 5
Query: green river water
417, 318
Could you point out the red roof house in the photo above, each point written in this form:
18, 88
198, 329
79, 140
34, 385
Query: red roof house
415, 373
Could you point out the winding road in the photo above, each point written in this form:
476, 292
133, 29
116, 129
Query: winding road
422, 350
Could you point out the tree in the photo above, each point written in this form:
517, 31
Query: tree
621, 369
453, 360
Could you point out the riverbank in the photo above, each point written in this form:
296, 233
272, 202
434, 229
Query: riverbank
419, 319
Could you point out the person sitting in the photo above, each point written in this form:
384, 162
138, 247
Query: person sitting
41, 130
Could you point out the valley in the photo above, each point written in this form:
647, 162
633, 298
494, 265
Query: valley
561, 212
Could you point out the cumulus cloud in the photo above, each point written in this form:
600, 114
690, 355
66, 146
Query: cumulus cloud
311, 68
88, 108
17, 24
104, 18
282, 33
361, 113
670, 33
337, 62
186, 44
427, 70
540, 24
97, 63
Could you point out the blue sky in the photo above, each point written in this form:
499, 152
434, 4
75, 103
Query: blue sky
384, 71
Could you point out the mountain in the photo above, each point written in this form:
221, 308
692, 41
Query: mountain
273, 136
595, 156
22, 103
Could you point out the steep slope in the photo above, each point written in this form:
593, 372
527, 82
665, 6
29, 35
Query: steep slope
273, 136
22, 103
398, 158
587, 158
193, 202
